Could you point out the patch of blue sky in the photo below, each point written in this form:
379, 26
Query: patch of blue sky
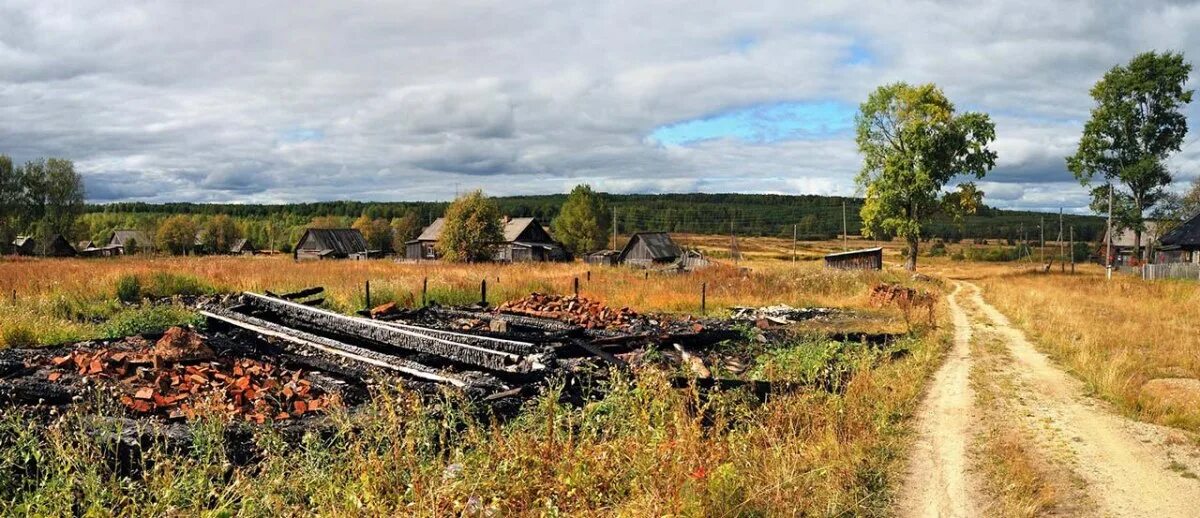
763, 123
294, 135
859, 55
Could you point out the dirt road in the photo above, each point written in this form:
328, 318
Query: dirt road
937, 481
1127, 468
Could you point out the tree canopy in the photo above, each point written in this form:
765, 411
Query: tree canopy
1136, 124
176, 235
581, 225
220, 233
913, 143
471, 230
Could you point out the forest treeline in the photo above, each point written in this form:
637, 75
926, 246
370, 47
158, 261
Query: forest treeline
811, 216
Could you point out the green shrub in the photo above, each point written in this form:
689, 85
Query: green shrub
17, 336
163, 284
149, 319
129, 289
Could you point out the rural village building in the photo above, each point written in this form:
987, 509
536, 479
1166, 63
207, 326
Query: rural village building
525, 240
1122, 245
242, 247
1182, 243
602, 257
54, 246
865, 259
120, 238
650, 248
332, 243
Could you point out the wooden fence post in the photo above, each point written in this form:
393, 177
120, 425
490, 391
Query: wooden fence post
703, 298
368, 297
589, 276
577, 287
483, 292
424, 291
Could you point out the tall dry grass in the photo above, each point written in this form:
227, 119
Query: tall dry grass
643, 449
1114, 334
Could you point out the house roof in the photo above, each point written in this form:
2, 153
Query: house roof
513, 228
120, 237
1125, 237
22, 241
84, 245
659, 244
241, 245
1185, 234
851, 253
336, 240
433, 231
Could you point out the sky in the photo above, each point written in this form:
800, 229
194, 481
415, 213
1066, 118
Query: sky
273, 101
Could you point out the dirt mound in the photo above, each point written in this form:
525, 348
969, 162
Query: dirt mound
580, 311
1180, 394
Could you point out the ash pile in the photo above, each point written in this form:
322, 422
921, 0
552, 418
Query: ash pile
272, 358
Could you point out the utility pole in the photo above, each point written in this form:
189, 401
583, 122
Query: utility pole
845, 236
733, 248
614, 245
1108, 235
1072, 249
1042, 241
794, 226
1062, 257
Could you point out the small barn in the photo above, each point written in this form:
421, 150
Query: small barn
122, 238
865, 259
424, 246
602, 257
57, 246
331, 243
242, 247
650, 248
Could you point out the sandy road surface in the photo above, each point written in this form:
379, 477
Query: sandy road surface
1129, 468
937, 482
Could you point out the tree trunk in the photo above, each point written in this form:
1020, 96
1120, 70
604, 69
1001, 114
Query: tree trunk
910, 262
1137, 246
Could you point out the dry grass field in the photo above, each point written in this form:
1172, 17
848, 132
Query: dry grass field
642, 449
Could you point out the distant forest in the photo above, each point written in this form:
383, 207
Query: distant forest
812, 216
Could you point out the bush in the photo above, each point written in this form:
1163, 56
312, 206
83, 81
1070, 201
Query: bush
163, 284
150, 319
129, 289
17, 336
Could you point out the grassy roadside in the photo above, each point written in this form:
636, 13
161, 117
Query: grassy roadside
1114, 335
642, 449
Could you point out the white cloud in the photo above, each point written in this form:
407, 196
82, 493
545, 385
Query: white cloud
166, 101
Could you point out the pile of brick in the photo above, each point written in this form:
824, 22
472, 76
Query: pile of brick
580, 311
180, 378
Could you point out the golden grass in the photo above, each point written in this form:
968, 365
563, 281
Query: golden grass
644, 449
1113, 334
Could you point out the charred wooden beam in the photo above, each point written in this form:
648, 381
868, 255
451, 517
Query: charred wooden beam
545, 324
307, 292
499, 344
334, 347
378, 332
598, 352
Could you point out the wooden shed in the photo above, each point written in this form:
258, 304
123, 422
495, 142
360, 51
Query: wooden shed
57, 246
648, 248
602, 257
331, 243
24, 245
1182, 243
525, 240
865, 259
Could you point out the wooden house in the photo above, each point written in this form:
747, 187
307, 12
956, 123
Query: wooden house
242, 247
650, 248
57, 246
331, 243
865, 259
1182, 243
119, 241
525, 240
1122, 245
24, 245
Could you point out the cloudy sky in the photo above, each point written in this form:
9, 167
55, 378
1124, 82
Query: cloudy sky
288, 101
